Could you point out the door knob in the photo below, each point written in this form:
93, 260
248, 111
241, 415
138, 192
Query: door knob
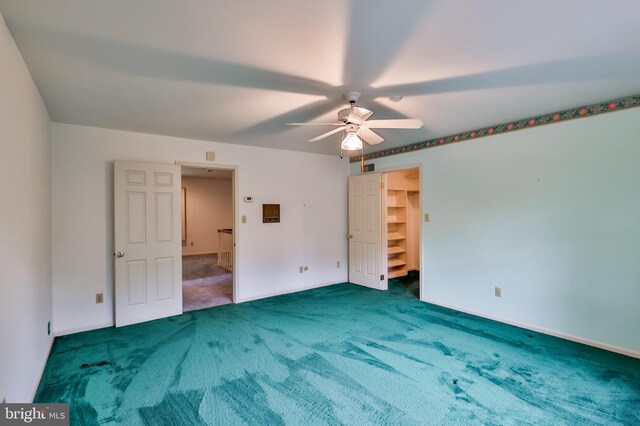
120, 254
350, 236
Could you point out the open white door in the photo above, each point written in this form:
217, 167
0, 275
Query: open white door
365, 231
148, 253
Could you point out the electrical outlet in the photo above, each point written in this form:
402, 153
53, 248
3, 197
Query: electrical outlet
99, 297
498, 292
244, 219
338, 264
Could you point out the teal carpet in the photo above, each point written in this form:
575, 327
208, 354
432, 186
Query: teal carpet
342, 354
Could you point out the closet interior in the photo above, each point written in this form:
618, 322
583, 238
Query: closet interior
402, 205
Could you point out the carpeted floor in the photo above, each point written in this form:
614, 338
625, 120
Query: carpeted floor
204, 284
342, 354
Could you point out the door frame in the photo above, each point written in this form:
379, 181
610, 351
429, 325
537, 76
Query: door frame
418, 166
235, 205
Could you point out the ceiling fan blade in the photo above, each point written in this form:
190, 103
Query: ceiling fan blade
369, 136
329, 133
358, 115
315, 124
404, 123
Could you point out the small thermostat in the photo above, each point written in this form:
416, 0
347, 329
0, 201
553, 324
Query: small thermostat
248, 199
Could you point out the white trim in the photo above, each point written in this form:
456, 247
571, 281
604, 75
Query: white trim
210, 165
43, 365
421, 281
401, 167
199, 253
280, 293
248, 299
561, 335
81, 329
235, 183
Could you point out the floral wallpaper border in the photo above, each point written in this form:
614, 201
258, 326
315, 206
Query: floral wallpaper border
555, 117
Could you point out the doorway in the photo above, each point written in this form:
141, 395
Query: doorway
207, 237
385, 230
402, 223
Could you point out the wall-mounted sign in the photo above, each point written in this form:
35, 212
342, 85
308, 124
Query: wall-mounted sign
271, 213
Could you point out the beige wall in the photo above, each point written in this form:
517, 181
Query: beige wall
549, 215
25, 226
209, 208
310, 188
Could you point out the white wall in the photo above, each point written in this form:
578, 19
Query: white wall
209, 208
550, 214
311, 189
25, 227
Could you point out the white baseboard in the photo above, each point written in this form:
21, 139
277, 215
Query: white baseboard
58, 333
565, 336
280, 293
41, 368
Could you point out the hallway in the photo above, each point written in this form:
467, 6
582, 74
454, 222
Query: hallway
204, 284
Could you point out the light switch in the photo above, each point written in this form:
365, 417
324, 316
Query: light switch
426, 217
244, 219
211, 156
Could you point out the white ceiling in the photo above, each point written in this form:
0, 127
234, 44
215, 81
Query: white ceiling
238, 71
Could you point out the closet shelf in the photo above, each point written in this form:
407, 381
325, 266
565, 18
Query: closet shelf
395, 250
396, 263
394, 236
391, 221
397, 273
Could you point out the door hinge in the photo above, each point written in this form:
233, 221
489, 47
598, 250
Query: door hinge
381, 277
381, 185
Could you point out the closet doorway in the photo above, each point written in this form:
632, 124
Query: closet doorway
402, 226
207, 237
385, 229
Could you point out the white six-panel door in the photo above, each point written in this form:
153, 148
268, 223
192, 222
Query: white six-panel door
365, 231
148, 253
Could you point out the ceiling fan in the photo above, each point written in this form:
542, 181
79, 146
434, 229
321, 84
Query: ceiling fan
354, 122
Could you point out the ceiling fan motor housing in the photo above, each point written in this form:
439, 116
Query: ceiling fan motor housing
354, 115
351, 128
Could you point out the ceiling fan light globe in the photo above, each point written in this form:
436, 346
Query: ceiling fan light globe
351, 142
